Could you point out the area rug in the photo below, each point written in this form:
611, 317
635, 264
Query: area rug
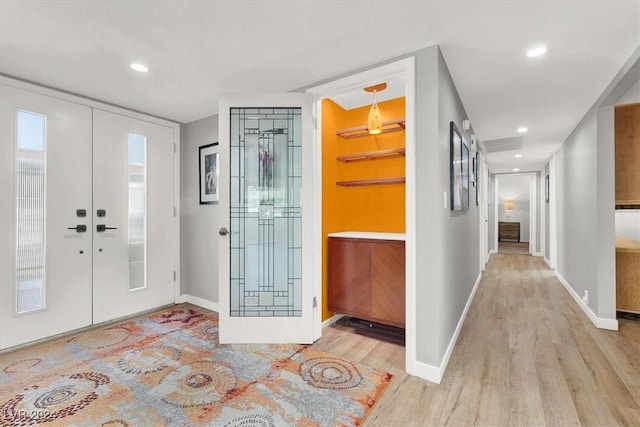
169, 369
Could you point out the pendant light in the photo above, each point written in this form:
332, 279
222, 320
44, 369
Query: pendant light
374, 121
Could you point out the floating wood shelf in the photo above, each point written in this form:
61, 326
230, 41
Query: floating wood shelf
374, 181
359, 131
372, 155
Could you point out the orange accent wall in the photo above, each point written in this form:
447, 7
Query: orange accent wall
366, 208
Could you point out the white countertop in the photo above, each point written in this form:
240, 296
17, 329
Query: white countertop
369, 235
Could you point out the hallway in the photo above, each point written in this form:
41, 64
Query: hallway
526, 355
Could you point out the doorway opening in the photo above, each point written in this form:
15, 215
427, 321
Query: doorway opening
364, 184
515, 214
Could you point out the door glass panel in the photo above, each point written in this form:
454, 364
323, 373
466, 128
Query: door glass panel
137, 230
30, 212
266, 216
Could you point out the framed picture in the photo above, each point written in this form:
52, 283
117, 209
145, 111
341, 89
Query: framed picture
476, 174
546, 189
208, 169
465, 176
459, 170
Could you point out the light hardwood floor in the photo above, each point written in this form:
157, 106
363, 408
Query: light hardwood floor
521, 248
526, 356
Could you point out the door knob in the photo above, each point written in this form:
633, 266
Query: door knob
101, 228
223, 231
80, 228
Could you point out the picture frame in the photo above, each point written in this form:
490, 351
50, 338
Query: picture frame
459, 169
546, 188
476, 174
208, 169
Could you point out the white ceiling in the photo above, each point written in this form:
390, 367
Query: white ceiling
197, 50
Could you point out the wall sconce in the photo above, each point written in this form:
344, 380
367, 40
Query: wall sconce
509, 205
374, 122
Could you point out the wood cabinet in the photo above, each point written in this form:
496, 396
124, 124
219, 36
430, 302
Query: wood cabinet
367, 279
627, 146
508, 231
627, 275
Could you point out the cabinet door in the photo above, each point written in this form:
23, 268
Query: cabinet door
350, 277
388, 282
627, 143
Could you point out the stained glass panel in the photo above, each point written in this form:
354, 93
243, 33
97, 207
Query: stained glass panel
266, 226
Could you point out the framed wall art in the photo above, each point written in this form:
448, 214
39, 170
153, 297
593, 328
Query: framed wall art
459, 170
546, 189
208, 173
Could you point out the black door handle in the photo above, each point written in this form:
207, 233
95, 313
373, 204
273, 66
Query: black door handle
80, 228
101, 228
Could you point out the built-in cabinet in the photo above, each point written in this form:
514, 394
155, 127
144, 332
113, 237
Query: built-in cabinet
627, 157
627, 275
367, 276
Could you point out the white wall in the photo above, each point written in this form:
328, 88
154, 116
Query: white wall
199, 223
632, 95
628, 223
446, 241
585, 201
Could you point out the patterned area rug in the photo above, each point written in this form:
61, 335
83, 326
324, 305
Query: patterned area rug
169, 369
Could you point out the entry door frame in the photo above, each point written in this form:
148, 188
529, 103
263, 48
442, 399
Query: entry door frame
65, 96
533, 206
404, 68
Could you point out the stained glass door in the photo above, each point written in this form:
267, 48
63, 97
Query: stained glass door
266, 151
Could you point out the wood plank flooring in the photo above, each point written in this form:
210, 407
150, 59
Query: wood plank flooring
526, 356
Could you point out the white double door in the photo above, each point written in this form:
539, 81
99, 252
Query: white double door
86, 216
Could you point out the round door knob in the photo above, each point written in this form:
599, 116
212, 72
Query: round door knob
223, 231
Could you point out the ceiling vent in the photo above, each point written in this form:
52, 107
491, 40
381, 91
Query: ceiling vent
504, 144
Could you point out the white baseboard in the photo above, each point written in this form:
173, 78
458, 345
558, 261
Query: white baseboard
200, 302
330, 321
426, 371
546, 261
493, 251
435, 373
537, 254
599, 322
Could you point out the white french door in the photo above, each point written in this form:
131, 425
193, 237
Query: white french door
45, 216
265, 198
133, 201
87, 216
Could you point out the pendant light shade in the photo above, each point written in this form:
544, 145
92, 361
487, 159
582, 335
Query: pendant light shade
374, 121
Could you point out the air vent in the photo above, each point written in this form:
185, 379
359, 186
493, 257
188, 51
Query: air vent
504, 144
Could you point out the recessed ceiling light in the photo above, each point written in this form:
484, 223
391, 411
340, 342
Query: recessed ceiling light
522, 129
515, 170
517, 156
536, 51
139, 67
